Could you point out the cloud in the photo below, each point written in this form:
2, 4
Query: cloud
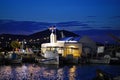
90, 21
10, 26
29, 27
91, 16
71, 23
86, 27
115, 17
106, 27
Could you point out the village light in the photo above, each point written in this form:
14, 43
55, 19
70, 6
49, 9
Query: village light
22, 45
72, 46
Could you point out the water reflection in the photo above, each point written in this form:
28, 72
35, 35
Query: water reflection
52, 72
72, 73
60, 74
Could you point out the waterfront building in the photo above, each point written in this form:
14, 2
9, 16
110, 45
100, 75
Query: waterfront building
64, 46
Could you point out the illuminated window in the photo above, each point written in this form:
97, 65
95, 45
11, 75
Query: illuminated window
9, 38
38, 39
30, 40
17, 39
2, 37
44, 38
20, 42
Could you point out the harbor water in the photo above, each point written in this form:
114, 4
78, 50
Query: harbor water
29, 71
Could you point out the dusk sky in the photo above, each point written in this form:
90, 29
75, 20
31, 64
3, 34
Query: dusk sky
77, 14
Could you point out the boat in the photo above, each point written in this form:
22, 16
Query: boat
48, 61
65, 50
115, 60
105, 60
49, 57
99, 61
49, 51
15, 58
16, 61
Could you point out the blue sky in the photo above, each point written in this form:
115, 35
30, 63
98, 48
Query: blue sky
95, 14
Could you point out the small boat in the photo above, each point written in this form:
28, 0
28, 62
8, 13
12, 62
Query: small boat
48, 61
15, 59
49, 57
105, 60
115, 60
99, 61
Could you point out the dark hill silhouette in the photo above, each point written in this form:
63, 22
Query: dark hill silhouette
46, 33
7, 37
39, 35
100, 35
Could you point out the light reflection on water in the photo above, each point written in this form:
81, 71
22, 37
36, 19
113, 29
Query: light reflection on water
52, 72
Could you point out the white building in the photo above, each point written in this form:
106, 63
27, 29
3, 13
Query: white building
63, 47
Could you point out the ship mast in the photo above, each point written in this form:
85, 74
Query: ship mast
53, 38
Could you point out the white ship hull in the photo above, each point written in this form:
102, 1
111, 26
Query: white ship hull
97, 61
48, 61
50, 57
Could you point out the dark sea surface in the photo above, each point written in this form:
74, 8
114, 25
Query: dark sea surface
29, 71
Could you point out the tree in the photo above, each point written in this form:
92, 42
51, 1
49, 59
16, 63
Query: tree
15, 44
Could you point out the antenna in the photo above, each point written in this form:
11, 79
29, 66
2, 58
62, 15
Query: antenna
52, 28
